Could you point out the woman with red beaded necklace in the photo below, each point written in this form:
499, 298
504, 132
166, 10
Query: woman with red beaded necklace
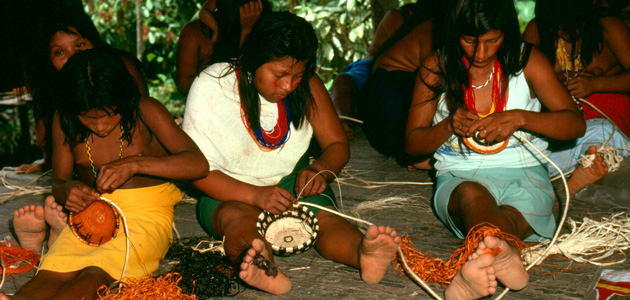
484, 82
254, 120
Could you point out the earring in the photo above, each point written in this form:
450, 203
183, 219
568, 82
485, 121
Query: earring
249, 77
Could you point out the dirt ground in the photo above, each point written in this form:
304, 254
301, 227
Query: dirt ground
403, 206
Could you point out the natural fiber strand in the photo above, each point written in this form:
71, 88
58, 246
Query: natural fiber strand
591, 241
610, 155
431, 269
16, 260
394, 202
163, 287
374, 184
27, 189
506, 290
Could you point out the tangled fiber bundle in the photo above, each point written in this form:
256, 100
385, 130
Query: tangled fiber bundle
590, 241
431, 269
206, 273
163, 287
16, 260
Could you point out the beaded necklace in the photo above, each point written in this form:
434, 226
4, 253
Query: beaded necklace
571, 65
499, 90
275, 138
87, 146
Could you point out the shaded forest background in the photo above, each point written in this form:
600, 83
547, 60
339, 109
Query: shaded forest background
345, 29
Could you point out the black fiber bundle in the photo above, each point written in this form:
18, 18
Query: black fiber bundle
207, 275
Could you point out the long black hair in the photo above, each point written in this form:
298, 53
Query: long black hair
96, 79
275, 36
475, 18
578, 19
42, 77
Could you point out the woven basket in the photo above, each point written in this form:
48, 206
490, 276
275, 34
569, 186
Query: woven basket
96, 225
480, 145
292, 232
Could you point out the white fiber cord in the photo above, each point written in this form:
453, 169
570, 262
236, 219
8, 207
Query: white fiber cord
562, 218
126, 234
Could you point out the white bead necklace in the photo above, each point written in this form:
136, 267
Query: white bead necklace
487, 81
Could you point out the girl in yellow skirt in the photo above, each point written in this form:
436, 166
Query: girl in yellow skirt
124, 147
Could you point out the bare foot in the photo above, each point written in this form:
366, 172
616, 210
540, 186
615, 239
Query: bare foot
474, 280
30, 227
583, 176
55, 217
376, 251
4, 297
421, 165
348, 129
508, 264
256, 277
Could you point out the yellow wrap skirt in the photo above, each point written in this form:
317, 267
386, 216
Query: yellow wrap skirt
149, 215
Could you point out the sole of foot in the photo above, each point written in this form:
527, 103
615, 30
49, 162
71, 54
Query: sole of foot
256, 277
55, 217
376, 251
30, 227
508, 265
474, 280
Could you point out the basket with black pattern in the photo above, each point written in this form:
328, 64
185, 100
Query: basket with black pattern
292, 232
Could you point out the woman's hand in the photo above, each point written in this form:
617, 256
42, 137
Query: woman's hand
312, 188
581, 86
250, 13
462, 120
80, 196
30, 168
114, 174
274, 199
498, 126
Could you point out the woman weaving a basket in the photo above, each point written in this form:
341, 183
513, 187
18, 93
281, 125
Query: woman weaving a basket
471, 98
124, 146
254, 119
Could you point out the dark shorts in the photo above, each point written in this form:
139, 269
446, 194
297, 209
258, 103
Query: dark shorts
384, 107
207, 206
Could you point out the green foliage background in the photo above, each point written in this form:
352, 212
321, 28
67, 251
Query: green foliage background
344, 28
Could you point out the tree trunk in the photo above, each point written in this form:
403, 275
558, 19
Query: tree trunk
379, 8
138, 30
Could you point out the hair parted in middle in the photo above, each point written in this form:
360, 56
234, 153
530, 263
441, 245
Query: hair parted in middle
275, 36
96, 79
475, 18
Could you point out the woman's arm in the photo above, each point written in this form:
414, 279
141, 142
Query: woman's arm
562, 121
249, 14
185, 160
222, 187
332, 139
421, 137
531, 33
187, 59
617, 37
73, 195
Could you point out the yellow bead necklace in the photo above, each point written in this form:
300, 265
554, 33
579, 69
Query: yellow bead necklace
87, 146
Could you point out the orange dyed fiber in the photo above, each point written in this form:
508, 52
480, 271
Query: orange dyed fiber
16, 260
163, 287
431, 269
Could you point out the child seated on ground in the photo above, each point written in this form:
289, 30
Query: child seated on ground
254, 120
124, 147
484, 82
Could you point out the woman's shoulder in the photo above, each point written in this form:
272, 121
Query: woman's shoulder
216, 70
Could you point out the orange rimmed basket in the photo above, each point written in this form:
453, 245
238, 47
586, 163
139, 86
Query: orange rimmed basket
97, 224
